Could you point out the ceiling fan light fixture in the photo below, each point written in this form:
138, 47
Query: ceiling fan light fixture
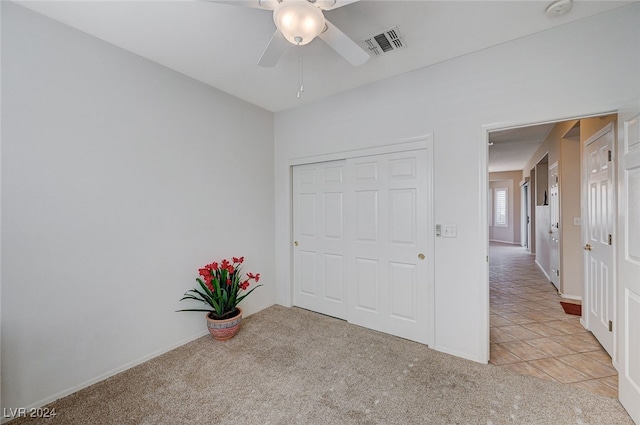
299, 21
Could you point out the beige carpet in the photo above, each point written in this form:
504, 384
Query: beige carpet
291, 366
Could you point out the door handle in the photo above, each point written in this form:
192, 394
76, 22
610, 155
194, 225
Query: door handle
295, 243
587, 247
421, 256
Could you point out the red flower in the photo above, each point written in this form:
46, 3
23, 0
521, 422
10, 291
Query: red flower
220, 283
256, 276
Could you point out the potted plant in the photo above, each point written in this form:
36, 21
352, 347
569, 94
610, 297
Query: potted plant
221, 288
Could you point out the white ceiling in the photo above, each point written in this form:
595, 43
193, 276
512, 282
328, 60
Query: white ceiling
219, 44
510, 149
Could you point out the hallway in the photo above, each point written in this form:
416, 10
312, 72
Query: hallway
532, 335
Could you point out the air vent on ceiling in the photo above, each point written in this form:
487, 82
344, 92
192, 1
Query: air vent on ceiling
386, 42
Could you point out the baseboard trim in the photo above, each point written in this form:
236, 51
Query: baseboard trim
543, 271
571, 297
508, 242
120, 369
109, 374
458, 354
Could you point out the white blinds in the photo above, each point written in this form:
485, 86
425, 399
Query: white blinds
501, 203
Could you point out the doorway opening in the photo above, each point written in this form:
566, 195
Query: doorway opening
538, 260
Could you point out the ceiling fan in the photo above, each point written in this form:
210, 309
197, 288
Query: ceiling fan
300, 21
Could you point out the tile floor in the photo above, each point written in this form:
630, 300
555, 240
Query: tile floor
532, 335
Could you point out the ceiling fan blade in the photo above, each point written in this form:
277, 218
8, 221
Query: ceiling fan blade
333, 4
346, 47
274, 50
254, 4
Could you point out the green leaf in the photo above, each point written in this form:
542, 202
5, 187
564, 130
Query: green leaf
192, 309
217, 287
216, 306
205, 298
204, 287
190, 297
245, 295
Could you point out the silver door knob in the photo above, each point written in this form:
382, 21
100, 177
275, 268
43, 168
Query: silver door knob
421, 256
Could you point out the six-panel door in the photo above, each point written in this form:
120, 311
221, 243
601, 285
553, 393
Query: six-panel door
362, 238
599, 233
319, 264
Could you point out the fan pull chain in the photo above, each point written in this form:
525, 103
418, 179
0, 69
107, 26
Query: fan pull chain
300, 72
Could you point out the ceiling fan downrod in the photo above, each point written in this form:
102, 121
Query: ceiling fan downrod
300, 70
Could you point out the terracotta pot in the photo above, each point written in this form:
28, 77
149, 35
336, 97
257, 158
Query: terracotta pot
226, 328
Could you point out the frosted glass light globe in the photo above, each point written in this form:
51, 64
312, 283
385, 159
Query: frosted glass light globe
299, 21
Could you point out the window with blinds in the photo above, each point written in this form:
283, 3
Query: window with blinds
501, 202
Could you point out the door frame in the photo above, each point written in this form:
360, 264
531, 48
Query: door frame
558, 216
524, 214
628, 389
410, 144
532, 211
483, 182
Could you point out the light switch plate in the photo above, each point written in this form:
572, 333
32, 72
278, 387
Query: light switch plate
577, 221
449, 231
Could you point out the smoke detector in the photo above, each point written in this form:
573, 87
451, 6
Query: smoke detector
557, 8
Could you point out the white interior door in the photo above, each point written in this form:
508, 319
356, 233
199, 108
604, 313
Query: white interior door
628, 324
599, 252
554, 226
319, 242
524, 215
533, 232
390, 260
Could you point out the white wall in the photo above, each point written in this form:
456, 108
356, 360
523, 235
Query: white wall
571, 280
119, 179
543, 248
514, 83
